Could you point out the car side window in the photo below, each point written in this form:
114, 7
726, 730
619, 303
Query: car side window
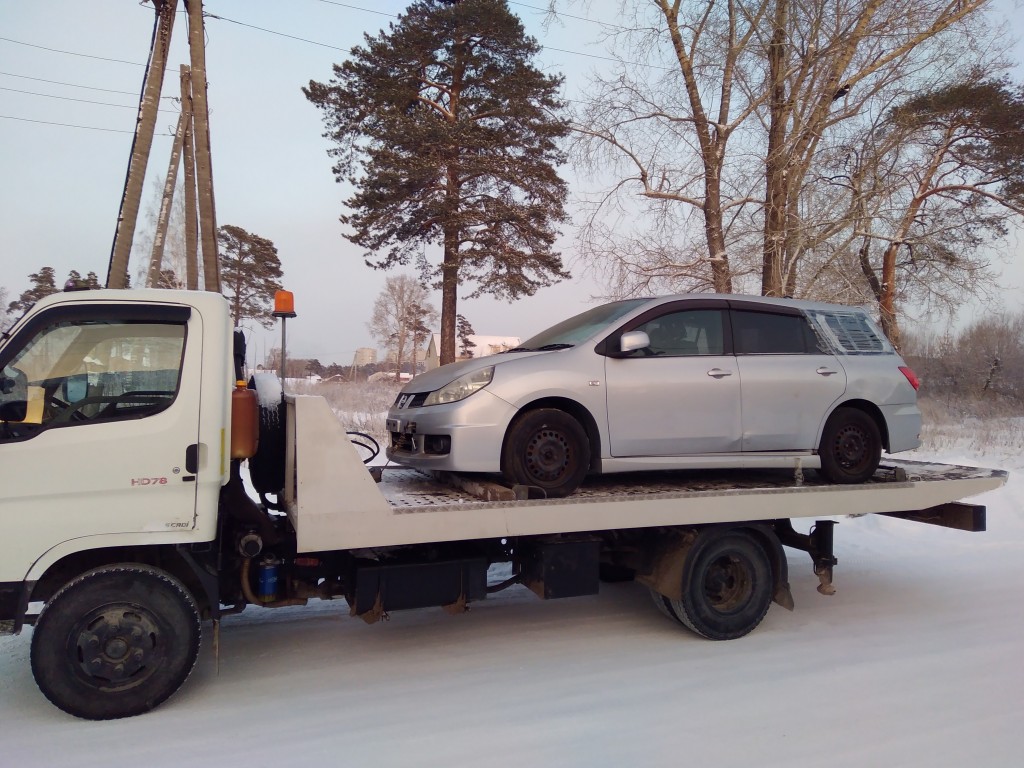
686, 333
83, 372
770, 333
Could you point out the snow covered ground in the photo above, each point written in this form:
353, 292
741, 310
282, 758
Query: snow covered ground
918, 660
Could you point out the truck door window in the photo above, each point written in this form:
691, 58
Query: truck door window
89, 371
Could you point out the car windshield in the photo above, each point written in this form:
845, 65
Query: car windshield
571, 332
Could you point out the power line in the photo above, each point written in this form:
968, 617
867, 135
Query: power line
349, 50
273, 32
76, 85
358, 8
82, 101
69, 125
569, 16
71, 53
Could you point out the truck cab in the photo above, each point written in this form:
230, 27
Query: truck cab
113, 419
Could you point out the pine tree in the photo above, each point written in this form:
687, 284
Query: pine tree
250, 273
43, 284
464, 331
90, 281
448, 133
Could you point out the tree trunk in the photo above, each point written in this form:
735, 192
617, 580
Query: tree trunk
776, 160
449, 295
715, 231
887, 303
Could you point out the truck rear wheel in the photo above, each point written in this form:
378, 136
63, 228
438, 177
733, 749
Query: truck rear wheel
727, 587
115, 642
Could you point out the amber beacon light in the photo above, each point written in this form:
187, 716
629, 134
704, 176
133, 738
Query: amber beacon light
284, 304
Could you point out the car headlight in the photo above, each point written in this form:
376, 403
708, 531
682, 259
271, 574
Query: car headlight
461, 388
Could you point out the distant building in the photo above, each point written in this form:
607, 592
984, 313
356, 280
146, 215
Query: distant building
485, 345
364, 356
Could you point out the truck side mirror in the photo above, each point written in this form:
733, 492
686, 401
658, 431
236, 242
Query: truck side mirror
13, 394
13, 410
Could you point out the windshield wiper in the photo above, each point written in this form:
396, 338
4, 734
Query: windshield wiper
545, 348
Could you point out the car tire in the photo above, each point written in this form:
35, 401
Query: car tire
851, 447
727, 587
117, 641
547, 449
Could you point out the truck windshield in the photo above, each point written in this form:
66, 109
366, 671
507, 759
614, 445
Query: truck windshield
571, 332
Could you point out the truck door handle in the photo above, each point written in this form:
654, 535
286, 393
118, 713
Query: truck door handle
718, 373
823, 371
192, 458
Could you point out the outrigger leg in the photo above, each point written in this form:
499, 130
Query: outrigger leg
817, 543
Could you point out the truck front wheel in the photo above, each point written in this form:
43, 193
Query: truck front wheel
727, 587
117, 641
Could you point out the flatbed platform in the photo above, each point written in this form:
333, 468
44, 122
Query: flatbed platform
334, 503
409, 488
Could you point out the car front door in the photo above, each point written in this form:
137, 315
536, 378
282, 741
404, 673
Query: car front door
681, 395
788, 381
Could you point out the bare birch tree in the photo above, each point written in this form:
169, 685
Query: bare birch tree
401, 313
720, 114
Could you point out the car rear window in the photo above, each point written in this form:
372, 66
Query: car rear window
851, 333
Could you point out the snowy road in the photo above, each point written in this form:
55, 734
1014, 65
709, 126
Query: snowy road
917, 661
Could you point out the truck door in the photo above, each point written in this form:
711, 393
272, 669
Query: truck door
109, 439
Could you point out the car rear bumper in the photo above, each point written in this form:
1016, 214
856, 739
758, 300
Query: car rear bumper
903, 423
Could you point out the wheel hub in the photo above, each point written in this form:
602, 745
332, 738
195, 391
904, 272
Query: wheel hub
117, 643
727, 583
851, 447
547, 455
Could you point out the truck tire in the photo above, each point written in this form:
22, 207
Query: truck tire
727, 586
117, 641
851, 447
548, 449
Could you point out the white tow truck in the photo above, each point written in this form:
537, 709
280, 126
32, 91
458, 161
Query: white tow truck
124, 421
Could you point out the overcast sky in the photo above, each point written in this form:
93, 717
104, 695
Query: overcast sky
63, 157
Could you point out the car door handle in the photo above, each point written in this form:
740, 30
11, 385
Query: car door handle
718, 373
823, 371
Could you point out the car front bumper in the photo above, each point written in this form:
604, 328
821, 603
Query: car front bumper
457, 437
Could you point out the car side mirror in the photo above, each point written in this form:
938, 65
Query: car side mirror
633, 340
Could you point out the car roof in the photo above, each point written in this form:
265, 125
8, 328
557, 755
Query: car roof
768, 301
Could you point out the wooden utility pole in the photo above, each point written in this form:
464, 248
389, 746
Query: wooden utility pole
189, 158
204, 165
163, 219
142, 143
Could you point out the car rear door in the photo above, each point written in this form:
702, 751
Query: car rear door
788, 381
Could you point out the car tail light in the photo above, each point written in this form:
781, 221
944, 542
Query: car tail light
911, 377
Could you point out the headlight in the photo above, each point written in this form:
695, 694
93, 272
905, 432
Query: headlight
461, 388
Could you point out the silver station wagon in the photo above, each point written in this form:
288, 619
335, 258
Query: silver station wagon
676, 382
